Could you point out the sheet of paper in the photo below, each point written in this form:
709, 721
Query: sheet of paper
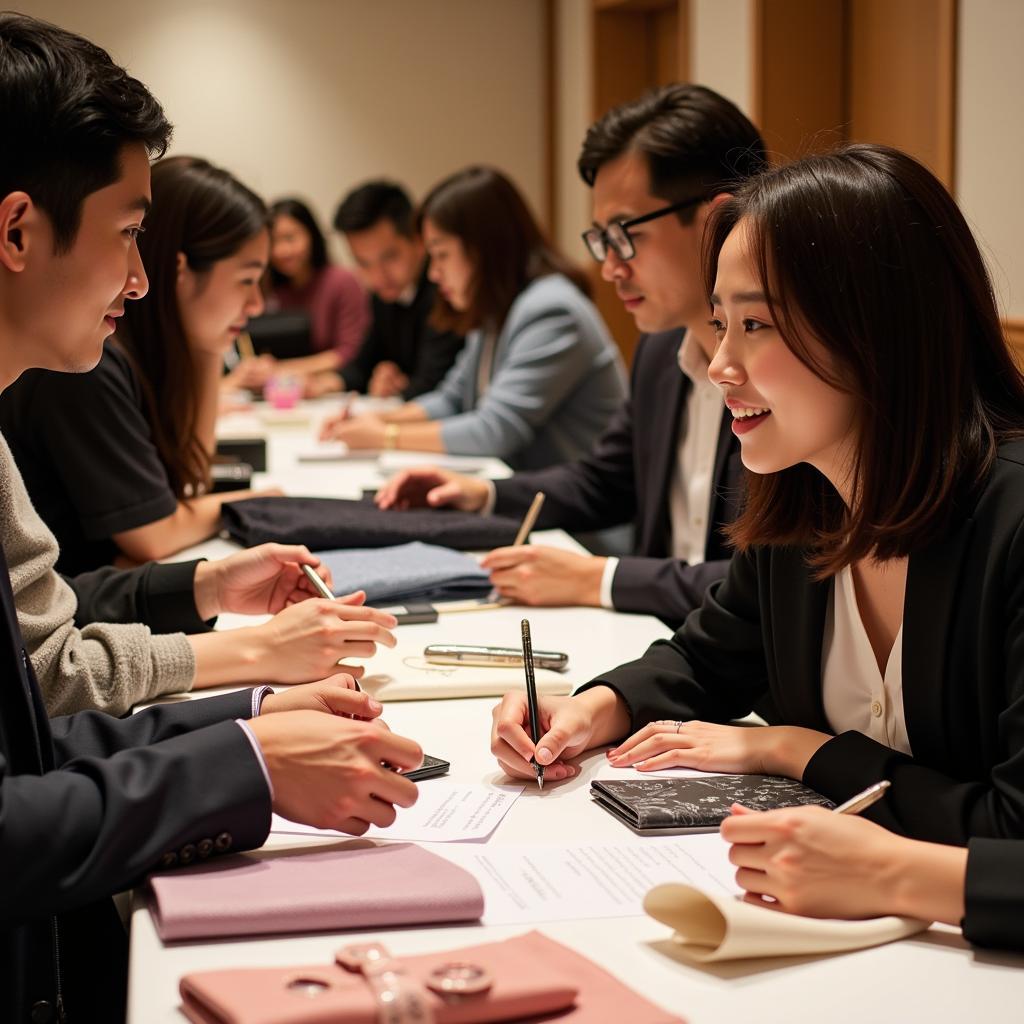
527, 884
446, 812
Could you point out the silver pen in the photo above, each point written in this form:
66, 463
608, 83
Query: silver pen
864, 799
318, 584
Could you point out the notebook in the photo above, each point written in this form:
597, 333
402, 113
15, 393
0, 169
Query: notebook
400, 573
664, 807
357, 884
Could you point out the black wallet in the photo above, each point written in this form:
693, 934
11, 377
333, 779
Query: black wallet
661, 807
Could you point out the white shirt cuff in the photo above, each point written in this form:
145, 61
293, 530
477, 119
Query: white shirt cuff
610, 565
492, 499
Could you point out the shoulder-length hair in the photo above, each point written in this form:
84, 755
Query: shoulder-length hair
865, 251
299, 211
206, 214
503, 242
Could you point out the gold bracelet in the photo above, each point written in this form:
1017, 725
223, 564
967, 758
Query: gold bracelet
391, 435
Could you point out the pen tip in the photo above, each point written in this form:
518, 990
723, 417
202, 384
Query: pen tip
540, 781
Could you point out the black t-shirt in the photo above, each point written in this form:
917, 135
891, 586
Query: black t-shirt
83, 444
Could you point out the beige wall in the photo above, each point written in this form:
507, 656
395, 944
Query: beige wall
574, 96
312, 96
722, 48
990, 139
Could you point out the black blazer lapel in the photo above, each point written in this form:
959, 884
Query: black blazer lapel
800, 635
933, 585
664, 416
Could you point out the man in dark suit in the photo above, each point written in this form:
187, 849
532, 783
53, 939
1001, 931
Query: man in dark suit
668, 463
403, 354
90, 804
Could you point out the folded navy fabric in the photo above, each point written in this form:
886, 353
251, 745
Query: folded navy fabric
325, 523
406, 572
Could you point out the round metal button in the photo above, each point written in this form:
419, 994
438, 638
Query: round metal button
187, 854
205, 847
459, 979
223, 841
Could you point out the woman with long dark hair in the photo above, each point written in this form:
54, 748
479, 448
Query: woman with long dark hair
539, 376
874, 609
117, 461
303, 279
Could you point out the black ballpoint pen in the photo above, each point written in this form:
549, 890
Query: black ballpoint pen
531, 700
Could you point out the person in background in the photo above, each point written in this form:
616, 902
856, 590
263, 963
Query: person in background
805, 860
874, 607
117, 461
403, 355
91, 803
303, 278
539, 377
668, 461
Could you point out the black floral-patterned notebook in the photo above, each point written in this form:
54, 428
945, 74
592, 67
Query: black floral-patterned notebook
665, 806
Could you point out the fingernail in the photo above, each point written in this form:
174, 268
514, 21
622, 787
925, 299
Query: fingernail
375, 705
544, 755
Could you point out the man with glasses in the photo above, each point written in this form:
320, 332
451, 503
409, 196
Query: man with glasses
668, 463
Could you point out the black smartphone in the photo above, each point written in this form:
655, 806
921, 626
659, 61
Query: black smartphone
431, 766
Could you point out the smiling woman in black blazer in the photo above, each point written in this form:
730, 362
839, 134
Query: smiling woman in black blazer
875, 605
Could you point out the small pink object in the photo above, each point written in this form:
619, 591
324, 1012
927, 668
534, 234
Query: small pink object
283, 391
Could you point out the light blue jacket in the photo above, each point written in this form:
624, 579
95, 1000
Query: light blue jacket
556, 380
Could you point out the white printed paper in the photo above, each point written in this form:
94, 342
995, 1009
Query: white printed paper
446, 812
529, 884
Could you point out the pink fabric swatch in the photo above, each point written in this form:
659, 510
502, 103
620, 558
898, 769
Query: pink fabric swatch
354, 884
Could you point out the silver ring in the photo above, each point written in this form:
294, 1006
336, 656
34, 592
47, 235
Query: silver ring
679, 726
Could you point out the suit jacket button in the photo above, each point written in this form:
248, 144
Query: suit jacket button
205, 847
168, 860
42, 1013
187, 854
223, 842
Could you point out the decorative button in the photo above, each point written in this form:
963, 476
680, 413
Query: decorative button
168, 860
223, 841
187, 853
42, 1013
876, 708
205, 847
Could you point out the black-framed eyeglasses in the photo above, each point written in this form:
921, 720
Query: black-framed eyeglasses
617, 237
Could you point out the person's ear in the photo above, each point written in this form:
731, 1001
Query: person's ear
19, 222
718, 198
180, 265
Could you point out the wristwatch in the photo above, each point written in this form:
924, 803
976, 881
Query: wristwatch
391, 435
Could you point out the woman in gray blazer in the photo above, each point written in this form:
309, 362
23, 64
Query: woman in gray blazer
539, 377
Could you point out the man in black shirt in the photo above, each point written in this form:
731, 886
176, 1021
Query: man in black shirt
402, 354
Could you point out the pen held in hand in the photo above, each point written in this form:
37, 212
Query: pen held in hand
529, 521
864, 799
531, 699
318, 584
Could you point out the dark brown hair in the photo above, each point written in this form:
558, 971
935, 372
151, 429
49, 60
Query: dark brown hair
66, 112
303, 215
695, 143
205, 213
865, 251
505, 245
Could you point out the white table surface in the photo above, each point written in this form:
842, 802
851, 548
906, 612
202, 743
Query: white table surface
933, 977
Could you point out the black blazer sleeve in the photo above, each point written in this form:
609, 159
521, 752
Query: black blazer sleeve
159, 595
103, 819
592, 493
667, 587
994, 894
357, 371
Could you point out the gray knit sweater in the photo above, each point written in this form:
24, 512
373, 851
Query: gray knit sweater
105, 667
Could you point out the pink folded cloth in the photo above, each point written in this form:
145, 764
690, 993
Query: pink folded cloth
350, 885
530, 976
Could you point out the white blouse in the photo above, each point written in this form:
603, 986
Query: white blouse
855, 695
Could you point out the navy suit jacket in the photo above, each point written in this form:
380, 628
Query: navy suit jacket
626, 479
90, 804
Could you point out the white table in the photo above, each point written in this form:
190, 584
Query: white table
934, 977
